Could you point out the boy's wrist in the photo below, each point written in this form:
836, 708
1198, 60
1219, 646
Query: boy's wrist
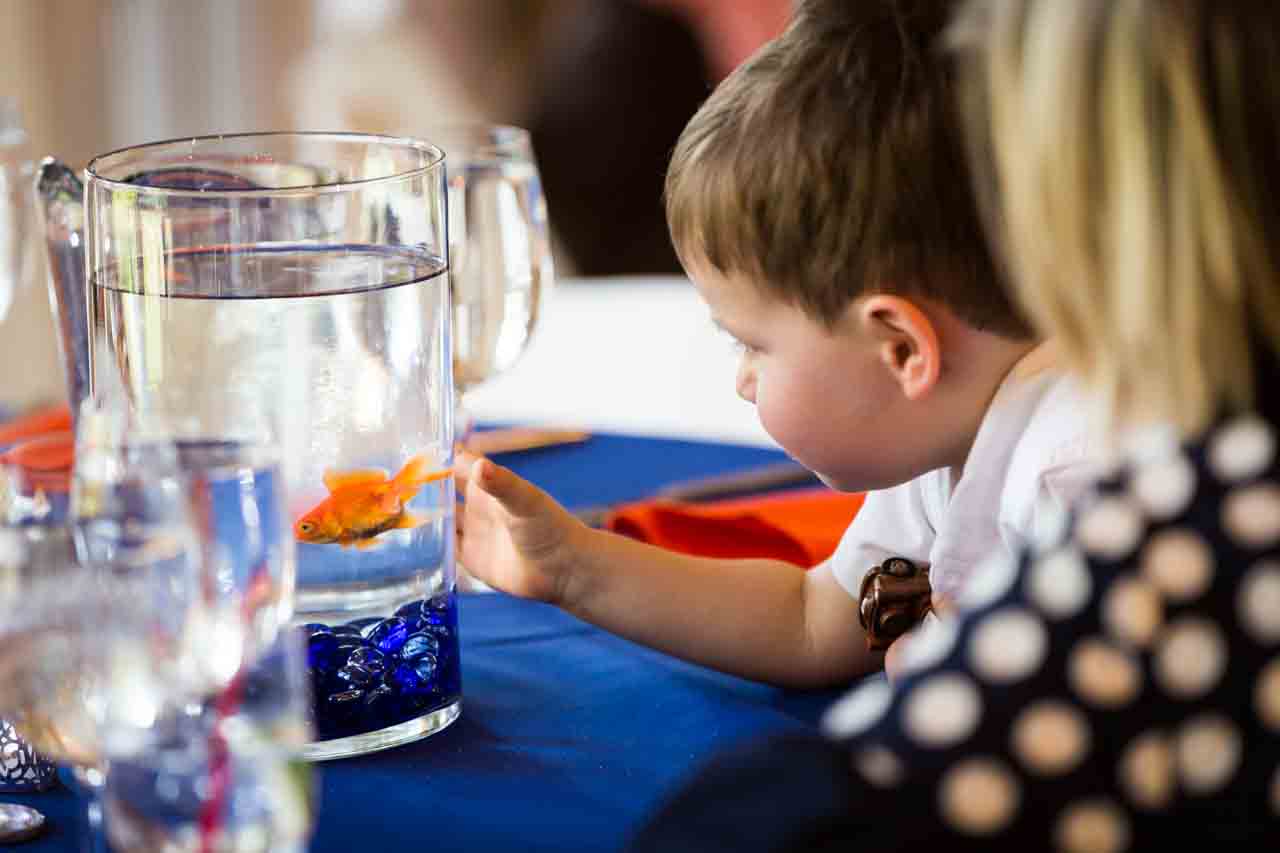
573, 582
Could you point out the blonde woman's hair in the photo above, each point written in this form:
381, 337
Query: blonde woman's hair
1132, 149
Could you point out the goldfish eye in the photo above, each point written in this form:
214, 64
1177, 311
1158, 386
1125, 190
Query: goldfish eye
306, 527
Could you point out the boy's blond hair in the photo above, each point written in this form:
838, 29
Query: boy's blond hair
1134, 148
832, 164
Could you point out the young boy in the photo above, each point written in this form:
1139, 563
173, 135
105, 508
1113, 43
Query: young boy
819, 201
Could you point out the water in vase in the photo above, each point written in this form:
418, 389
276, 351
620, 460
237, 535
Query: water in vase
339, 354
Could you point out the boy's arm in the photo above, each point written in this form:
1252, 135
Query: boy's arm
762, 619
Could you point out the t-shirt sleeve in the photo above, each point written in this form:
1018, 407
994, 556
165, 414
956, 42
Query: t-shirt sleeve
893, 522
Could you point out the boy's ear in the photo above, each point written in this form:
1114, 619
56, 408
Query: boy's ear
906, 340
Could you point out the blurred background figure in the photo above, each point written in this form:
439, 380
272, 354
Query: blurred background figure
613, 86
604, 85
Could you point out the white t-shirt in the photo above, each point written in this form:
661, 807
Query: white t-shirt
1032, 455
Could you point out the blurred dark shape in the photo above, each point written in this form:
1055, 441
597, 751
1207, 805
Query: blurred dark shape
615, 86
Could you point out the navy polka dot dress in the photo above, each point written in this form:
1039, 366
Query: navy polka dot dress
1120, 690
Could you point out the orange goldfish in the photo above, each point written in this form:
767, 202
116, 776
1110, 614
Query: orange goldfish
364, 504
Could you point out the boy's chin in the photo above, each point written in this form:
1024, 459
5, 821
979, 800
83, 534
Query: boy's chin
861, 481
836, 483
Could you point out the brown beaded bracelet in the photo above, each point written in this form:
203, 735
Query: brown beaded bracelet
893, 598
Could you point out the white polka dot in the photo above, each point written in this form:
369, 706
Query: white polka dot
1190, 658
929, 644
1165, 488
1102, 674
879, 766
1266, 698
990, 581
1132, 610
1092, 826
858, 709
1208, 753
942, 710
1252, 515
1146, 771
1050, 737
1007, 645
1179, 562
1110, 527
978, 796
1258, 601
1059, 583
1242, 449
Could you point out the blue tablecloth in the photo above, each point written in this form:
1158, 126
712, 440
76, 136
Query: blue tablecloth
569, 736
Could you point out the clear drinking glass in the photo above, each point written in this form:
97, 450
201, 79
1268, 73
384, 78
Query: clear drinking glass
136, 647
500, 267
293, 284
202, 717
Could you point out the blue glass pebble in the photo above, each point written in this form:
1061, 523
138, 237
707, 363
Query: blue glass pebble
356, 675
390, 635
412, 678
419, 644
411, 612
347, 631
379, 697
316, 628
425, 666
346, 702
370, 659
364, 626
322, 650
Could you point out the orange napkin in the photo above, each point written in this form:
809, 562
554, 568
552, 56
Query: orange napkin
801, 526
41, 448
39, 422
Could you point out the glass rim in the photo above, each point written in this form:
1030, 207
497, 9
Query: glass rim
435, 154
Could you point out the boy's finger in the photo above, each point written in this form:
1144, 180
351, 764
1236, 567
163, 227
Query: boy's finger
463, 464
519, 497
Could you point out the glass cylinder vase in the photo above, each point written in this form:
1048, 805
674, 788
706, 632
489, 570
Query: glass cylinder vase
293, 286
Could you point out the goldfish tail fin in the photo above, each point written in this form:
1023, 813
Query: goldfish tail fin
415, 474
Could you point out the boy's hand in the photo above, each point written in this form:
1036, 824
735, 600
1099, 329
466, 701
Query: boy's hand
511, 534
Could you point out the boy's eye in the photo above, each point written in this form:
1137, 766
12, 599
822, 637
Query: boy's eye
739, 346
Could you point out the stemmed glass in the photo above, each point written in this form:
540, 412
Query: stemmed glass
500, 267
